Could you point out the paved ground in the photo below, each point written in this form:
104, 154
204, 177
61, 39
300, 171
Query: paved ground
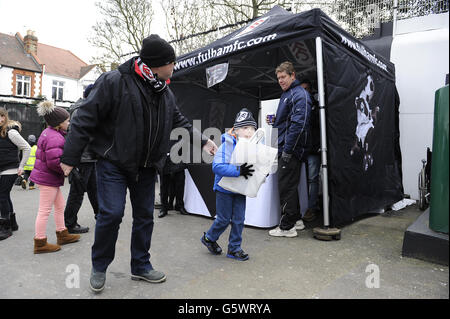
278, 268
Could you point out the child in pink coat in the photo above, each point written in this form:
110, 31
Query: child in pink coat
48, 176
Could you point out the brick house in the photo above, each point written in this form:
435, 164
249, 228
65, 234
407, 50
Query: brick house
29, 69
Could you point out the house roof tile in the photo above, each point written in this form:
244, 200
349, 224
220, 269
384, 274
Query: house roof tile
60, 62
13, 55
85, 70
57, 61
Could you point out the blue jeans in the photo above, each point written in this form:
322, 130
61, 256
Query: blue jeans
314, 162
229, 208
112, 184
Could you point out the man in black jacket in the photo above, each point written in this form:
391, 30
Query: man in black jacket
129, 115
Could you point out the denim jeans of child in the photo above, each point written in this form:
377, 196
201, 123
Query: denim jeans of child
229, 208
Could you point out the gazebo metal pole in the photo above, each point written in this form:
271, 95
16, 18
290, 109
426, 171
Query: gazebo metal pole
323, 131
324, 233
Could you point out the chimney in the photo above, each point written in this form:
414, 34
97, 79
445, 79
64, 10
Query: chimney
30, 42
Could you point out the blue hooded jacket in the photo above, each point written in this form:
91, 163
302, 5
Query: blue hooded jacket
292, 120
221, 164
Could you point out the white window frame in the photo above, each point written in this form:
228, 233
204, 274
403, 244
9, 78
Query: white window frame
23, 82
59, 85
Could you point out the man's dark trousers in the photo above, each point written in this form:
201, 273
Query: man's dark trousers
288, 180
76, 193
112, 184
166, 191
178, 181
172, 186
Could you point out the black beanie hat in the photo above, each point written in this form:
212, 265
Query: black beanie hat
53, 115
156, 51
244, 118
87, 90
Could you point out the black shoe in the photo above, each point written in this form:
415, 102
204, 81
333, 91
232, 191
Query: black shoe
152, 276
5, 228
77, 229
18, 181
97, 281
162, 213
310, 215
212, 246
238, 255
13, 221
183, 211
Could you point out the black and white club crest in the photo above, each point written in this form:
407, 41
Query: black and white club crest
242, 116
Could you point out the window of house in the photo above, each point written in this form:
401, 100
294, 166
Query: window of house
57, 90
23, 85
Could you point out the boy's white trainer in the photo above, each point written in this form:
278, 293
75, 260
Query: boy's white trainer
278, 232
299, 225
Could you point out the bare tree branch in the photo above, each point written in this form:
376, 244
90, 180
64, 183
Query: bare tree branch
124, 24
187, 17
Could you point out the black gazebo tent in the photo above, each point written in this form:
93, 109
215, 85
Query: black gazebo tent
361, 159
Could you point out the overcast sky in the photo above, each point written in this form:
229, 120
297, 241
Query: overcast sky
65, 24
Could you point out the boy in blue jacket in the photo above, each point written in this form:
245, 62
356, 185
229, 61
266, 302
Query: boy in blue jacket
230, 207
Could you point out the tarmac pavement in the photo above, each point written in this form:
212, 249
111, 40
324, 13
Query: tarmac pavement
365, 264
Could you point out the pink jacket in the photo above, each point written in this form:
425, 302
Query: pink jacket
46, 169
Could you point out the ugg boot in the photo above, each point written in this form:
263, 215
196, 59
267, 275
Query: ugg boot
14, 225
64, 237
41, 246
5, 228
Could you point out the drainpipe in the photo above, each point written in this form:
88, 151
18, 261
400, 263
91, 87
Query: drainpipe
42, 78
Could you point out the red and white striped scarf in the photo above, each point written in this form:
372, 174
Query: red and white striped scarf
145, 73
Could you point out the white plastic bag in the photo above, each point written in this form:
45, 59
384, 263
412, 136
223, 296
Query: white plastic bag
250, 151
403, 203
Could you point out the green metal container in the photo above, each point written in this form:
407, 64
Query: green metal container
439, 210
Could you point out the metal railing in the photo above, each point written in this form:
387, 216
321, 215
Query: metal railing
362, 17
